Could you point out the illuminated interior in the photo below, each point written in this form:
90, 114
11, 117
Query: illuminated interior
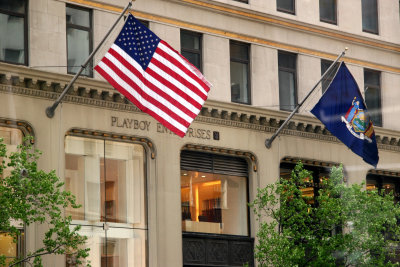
213, 203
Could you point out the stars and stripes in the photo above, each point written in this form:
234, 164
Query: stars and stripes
155, 77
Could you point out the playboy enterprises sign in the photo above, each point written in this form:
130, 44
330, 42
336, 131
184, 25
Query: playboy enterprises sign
144, 125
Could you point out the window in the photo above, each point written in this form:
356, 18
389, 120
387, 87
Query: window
287, 81
214, 194
370, 16
240, 68
13, 29
108, 180
191, 48
243, 1
327, 11
287, 6
325, 64
384, 184
12, 138
79, 39
372, 90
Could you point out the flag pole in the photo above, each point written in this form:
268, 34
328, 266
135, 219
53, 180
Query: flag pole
268, 142
50, 110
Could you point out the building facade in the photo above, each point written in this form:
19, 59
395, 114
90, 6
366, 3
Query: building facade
150, 198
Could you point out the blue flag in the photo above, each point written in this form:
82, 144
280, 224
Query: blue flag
343, 112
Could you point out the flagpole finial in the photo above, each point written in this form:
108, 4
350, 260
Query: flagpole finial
346, 48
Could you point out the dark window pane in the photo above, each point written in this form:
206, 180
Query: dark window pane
79, 39
78, 17
192, 58
287, 81
370, 16
372, 78
240, 91
191, 47
190, 41
287, 92
239, 81
17, 6
78, 50
285, 5
373, 96
12, 48
325, 64
327, 10
287, 60
239, 51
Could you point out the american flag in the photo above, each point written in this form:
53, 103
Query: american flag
155, 77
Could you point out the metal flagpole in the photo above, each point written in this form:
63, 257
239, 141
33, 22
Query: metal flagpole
50, 110
269, 141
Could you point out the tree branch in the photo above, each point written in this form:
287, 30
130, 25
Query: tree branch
36, 255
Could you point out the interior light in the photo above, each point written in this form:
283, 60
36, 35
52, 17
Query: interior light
203, 176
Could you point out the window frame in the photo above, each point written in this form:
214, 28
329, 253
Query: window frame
194, 51
294, 71
377, 19
25, 17
247, 62
185, 166
288, 11
379, 89
334, 22
82, 28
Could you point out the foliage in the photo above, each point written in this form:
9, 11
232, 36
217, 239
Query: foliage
29, 195
345, 226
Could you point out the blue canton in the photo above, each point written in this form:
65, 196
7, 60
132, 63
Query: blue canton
137, 41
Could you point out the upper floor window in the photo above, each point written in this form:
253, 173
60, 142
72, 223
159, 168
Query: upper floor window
214, 194
243, 1
79, 39
326, 81
370, 16
327, 11
13, 31
372, 89
287, 80
191, 48
287, 6
240, 69
108, 179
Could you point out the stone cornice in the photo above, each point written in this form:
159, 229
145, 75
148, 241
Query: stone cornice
90, 92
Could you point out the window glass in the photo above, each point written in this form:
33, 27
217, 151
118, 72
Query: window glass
13, 25
370, 16
325, 64
286, 6
191, 47
239, 67
373, 96
108, 180
214, 203
327, 11
79, 39
287, 81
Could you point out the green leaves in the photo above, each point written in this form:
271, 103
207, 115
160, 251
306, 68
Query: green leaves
29, 195
345, 225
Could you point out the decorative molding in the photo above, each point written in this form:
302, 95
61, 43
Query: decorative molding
94, 93
23, 126
144, 141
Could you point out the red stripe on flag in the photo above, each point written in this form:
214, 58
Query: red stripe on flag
156, 89
182, 67
142, 93
137, 103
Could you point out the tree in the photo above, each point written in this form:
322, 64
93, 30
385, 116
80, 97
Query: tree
344, 225
29, 195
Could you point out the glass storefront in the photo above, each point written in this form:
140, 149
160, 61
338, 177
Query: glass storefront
108, 180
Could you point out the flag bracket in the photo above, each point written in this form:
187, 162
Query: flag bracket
51, 109
268, 142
